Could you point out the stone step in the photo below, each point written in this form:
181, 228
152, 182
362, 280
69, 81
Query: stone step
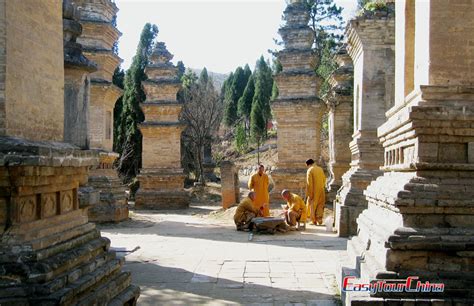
109, 290
87, 232
128, 296
72, 275
60, 263
72, 293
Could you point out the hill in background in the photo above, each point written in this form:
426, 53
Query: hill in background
218, 78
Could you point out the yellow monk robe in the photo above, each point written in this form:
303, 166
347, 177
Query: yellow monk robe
295, 203
259, 184
246, 205
316, 193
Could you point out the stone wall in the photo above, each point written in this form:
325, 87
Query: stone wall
33, 106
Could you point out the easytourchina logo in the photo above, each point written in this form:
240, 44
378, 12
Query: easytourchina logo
411, 284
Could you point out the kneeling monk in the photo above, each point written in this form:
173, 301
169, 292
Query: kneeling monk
295, 208
246, 211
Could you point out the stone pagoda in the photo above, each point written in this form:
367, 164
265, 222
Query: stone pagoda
161, 177
49, 253
339, 103
297, 110
371, 45
420, 217
99, 37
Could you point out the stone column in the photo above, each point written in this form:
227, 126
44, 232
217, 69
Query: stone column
76, 82
420, 218
339, 102
297, 109
99, 38
50, 253
370, 44
230, 189
161, 177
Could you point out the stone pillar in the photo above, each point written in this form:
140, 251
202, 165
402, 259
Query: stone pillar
161, 178
230, 189
339, 102
49, 252
298, 110
76, 82
420, 217
370, 44
99, 38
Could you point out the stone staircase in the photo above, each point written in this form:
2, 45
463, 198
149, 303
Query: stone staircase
80, 270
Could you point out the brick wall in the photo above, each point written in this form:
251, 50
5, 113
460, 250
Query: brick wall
34, 84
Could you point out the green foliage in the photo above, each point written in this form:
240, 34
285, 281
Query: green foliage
129, 139
189, 78
327, 65
375, 5
118, 80
325, 21
230, 107
263, 87
257, 117
204, 77
244, 105
181, 69
241, 142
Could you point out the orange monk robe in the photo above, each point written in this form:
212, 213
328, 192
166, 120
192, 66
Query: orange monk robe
296, 204
316, 193
259, 184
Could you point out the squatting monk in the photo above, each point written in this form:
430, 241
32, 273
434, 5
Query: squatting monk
246, 211
259, 183
315, 192
295, 209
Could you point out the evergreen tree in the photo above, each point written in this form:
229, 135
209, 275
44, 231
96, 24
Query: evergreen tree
257, 117
263, 89
181, 69
204, 77
239, 82
247, 72
130, 140
118, 80
230, 107
244, 105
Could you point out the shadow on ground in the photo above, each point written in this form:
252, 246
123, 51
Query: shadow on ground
162, 285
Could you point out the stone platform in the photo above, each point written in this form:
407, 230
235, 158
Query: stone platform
50, 254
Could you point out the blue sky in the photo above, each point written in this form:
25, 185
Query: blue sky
218, 34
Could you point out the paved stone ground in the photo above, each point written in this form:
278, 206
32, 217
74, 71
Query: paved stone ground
197, 257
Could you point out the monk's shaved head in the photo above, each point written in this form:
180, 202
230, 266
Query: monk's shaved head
251, 195
285, 193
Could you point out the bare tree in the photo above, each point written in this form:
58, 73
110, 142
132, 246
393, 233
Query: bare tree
202, 112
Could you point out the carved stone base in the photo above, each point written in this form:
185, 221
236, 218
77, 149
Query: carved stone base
161, 189
350, 200
49, 253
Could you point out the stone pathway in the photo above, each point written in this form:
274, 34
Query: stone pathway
191, 257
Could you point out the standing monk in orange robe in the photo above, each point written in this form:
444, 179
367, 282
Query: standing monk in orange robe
259, 183
315, 191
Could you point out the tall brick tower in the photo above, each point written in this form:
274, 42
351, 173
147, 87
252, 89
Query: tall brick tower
161, 177
297, 109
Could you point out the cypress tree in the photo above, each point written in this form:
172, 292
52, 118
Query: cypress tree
181, 69
263, 89
230, 107
130, 139
117, 80
244, 106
